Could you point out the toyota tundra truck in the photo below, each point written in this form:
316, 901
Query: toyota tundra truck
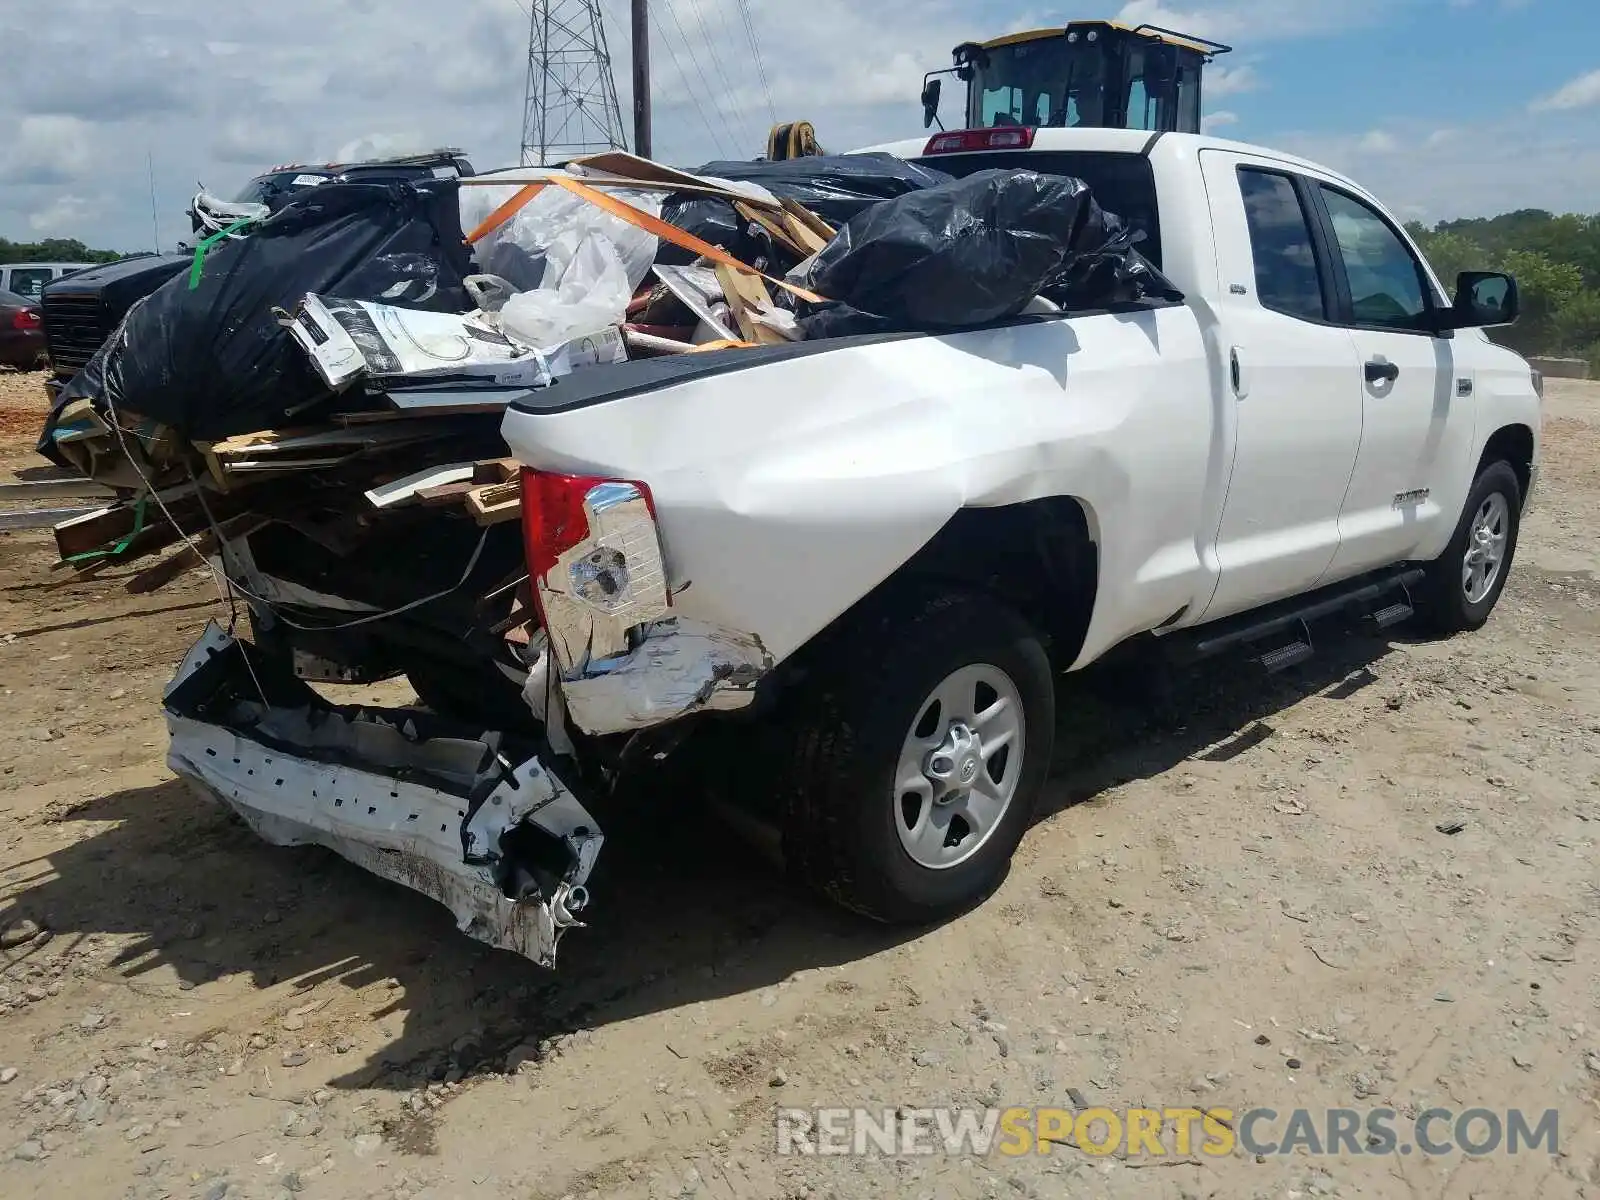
871, 556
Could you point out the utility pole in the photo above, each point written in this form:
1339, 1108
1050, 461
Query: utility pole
570, 106
641, 78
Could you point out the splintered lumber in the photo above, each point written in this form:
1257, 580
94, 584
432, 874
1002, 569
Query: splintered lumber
446, 495
496, 502
409, 488
804, 236
329, 439
89, 531
747, 294
492, 505
496, 470
773, 226
649, 343
809, 219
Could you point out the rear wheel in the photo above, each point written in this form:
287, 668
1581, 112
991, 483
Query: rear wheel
478, 695
1464, 583
918, 757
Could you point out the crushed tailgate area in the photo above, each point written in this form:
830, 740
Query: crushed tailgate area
1248, 898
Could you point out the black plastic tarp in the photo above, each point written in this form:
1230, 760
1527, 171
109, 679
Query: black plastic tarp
213, 361
836, 187
974, 250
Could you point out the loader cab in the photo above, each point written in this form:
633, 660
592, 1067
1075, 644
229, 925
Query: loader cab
1099, 74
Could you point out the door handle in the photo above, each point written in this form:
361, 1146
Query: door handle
1382, 372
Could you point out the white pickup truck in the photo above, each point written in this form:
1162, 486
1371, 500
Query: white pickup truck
881, 549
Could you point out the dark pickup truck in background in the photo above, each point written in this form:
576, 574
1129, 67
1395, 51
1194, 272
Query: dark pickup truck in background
81, 310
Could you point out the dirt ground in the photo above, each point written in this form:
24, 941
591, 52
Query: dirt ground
1236, 897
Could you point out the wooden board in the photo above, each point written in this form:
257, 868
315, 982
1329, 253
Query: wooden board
804, 236
496, 503
445, 495
496, 470
808, 218
772, 225
746, 293
407, 489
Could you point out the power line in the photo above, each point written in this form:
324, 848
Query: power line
755, 49
712, 37
682, 74
695, 59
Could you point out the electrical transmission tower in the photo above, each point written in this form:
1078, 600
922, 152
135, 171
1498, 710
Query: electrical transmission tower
570, 107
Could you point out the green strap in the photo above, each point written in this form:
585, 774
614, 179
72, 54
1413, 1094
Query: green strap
206, 244
138, 528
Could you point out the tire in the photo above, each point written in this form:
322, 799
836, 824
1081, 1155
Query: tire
1451, 603
843, 813
473, 696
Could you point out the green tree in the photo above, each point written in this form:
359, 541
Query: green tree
1450, 253
53, 250
1546, 287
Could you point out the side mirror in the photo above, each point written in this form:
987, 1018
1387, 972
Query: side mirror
1483, 298
930, 102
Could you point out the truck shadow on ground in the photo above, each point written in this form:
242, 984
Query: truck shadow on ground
684, 911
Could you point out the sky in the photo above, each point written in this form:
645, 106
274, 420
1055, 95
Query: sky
1444, 108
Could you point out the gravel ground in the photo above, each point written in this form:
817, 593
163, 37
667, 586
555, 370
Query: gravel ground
1239, 896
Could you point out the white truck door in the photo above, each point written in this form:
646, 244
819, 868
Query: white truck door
1295, 377
1413, 469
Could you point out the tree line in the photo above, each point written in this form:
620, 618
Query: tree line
69, 250
1556, 261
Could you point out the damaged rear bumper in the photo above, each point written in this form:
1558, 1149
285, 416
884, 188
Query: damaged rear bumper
491, 834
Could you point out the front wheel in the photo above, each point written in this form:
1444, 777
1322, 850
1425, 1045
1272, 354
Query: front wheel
1464, 583
918, 757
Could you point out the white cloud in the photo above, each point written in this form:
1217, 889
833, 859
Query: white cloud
1253, 21
1376, 141
1223, 80
65, 216
47, 150
381, 145
1513, 164
1577, 93
1212, 122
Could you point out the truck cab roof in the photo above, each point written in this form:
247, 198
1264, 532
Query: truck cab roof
973, 144
273, 185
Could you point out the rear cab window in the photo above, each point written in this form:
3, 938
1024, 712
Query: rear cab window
1287, 277
1123, 183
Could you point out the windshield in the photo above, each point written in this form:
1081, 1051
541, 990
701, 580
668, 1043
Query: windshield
264, 189
1049, 81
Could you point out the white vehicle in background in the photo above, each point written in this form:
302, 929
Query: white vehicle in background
879, 550
28, 279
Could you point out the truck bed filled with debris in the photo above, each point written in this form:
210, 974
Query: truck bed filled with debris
314, 409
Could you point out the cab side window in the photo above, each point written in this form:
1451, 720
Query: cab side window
1386, 281
30, 282
1287, 277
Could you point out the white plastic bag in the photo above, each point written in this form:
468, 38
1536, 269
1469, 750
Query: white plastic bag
516, 248
585, 287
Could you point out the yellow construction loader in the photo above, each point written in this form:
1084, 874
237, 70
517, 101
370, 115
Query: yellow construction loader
1088, 73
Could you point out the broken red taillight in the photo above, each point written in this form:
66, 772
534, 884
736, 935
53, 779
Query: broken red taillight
553, 520
26, 319
554, 516
965, 141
